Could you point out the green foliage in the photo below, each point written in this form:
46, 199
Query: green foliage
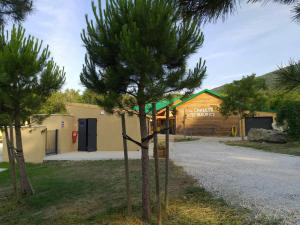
14, 9
90, 97
140, 48
56, 103
276, 99
28, 76
288, 78
289, 111
244, 97
211, 10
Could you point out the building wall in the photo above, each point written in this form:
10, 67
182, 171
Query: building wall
109, 130
34, 144
65, 125
200, 116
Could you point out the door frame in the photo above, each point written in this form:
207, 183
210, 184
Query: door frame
87, 135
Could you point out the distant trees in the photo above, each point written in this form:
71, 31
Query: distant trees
243, 98
28, 76
208, 10
289, 112
287, 104
56, 103
140, 48
15, 10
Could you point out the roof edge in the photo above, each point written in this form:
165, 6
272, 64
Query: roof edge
197, 94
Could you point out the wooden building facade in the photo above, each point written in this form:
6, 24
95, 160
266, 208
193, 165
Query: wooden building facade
199, 116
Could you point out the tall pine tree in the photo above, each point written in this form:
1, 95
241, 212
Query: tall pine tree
28, 76
140, 48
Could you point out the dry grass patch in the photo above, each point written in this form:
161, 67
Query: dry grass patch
93, 192
290, 148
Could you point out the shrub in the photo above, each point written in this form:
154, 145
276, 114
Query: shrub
289, 111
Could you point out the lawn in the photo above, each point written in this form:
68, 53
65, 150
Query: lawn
291, 148
93, 193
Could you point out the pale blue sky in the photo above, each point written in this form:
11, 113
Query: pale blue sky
257, 39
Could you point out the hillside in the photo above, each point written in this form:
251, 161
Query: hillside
270, 79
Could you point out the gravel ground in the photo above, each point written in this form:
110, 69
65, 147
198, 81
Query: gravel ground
267, 183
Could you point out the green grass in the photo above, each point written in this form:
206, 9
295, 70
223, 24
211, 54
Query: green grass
291, 148
94, 193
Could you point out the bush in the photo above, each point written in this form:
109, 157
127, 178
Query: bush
289, 111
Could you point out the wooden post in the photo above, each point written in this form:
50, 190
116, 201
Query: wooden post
167, 156
155, 150
129, 206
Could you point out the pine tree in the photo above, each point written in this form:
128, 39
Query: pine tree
211, 10
288, 78
14, 9
27, 78
140, 48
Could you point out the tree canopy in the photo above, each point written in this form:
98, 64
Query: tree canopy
243, 97
28, 76
211, 10
126, 56
140, 48
16, 10
288, 78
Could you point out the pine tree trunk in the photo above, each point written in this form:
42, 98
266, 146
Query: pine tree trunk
11, 157
167, 156
129, 206
242, 128
25, 185
156, 160
145, 165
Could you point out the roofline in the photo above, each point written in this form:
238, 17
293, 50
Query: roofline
197, 94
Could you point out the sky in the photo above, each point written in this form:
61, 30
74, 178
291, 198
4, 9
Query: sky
257, 39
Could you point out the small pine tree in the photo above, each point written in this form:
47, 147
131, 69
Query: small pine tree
27, 78
140, 48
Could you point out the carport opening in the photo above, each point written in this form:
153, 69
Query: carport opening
258, 122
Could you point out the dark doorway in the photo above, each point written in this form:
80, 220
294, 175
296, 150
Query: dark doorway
52, 142
87, 135
258, 122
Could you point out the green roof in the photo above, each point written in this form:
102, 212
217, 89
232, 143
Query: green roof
197, 94
165, 102
159, 105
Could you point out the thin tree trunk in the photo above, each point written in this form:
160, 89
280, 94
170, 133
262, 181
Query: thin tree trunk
25, 185
167, 157
242, 129
11, 158
129, 206
156, 160
145, 165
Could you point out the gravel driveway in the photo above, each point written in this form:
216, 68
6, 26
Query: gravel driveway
268, 183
